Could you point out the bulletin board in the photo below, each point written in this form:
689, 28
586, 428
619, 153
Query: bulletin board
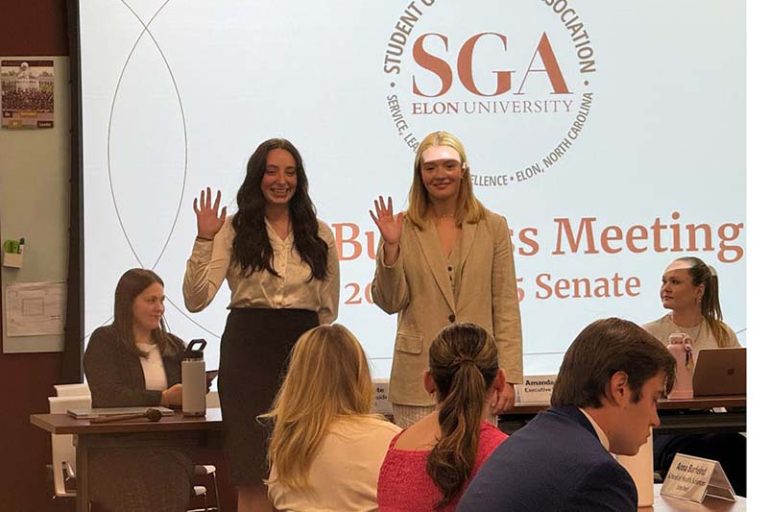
34, 204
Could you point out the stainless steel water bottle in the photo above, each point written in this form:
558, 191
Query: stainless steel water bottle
193, 385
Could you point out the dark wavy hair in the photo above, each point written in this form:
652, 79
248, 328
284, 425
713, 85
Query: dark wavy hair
131, 284
463, 362
251, 248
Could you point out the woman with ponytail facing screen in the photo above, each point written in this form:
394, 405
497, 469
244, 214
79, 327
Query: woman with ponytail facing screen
430, 464
690, 291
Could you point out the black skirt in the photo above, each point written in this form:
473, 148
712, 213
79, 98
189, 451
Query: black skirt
254, 356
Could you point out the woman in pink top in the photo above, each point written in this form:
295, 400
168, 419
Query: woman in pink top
429, 465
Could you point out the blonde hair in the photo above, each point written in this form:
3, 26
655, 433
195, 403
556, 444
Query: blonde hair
327, 378
703, 274
468, 208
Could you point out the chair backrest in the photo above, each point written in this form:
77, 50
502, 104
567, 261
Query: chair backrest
72, 389
212, 400
62, 445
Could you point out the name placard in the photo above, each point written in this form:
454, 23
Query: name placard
536, 389
381, 403
693, 478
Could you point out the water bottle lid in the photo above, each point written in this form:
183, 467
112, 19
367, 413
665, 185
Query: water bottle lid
678, 338
195, 349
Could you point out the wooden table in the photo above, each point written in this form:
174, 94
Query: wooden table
170, 431
664, 504
677, 416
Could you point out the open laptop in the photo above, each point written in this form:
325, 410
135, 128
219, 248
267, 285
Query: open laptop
720, 371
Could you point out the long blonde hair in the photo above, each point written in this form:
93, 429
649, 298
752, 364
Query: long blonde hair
701, 273
327, 378
468, 208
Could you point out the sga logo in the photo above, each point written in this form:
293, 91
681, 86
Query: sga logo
523, 75
465, 66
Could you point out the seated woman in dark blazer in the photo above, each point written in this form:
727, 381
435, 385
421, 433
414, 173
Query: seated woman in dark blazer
135, 362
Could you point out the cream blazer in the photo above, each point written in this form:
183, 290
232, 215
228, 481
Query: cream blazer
417, 287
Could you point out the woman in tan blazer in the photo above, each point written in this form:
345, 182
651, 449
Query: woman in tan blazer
446, 259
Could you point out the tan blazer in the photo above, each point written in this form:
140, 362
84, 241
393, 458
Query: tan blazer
418, 288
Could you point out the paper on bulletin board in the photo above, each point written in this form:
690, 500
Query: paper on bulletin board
35, 309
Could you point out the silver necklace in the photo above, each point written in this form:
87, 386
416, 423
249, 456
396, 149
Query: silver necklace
698, 331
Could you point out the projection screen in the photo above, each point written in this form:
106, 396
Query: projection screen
610, 134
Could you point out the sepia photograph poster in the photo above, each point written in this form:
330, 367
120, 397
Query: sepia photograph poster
27, 93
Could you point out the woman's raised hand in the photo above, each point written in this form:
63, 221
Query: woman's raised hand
390, 226
209, 220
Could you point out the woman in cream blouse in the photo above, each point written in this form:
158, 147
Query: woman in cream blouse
281, 265
327, 448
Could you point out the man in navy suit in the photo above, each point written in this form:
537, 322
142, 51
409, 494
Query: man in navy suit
603, 402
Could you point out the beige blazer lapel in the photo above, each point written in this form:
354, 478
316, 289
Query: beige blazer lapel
430, 247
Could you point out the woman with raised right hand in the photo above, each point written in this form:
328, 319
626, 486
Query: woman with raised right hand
281, 265
446, 259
